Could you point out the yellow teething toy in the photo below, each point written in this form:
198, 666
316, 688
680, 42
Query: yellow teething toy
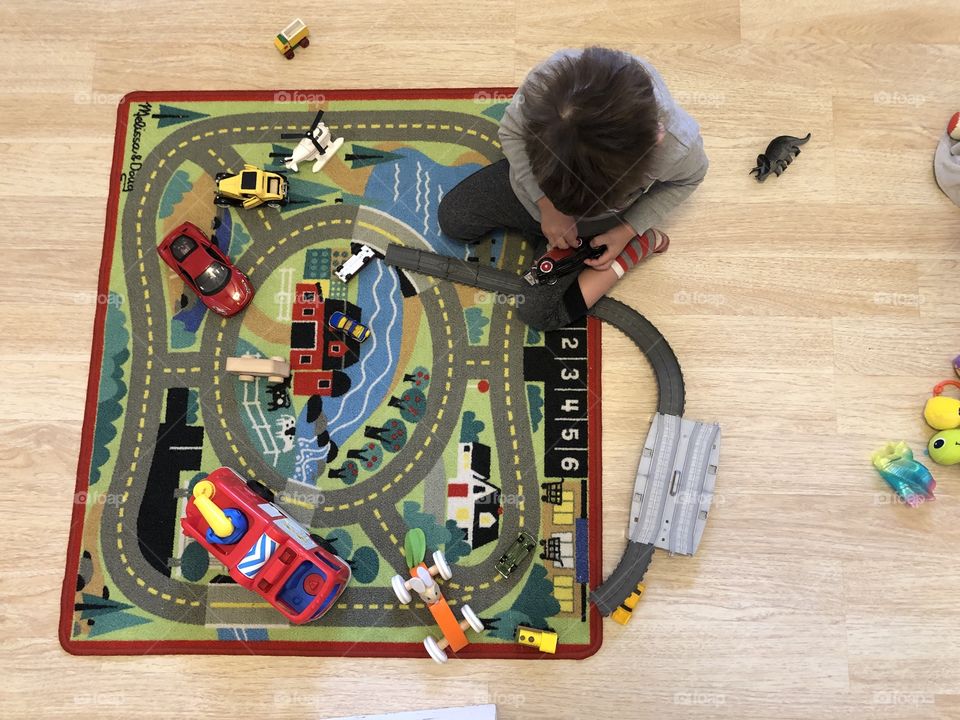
941, 412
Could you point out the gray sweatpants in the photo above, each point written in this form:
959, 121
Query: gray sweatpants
484, 202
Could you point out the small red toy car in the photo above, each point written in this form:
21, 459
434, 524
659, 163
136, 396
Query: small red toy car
206, 269
264, 549
557, 262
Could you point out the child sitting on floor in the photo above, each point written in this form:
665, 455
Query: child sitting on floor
596, 147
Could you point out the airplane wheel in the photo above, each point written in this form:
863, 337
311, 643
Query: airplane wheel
471, 617
400, 589
441, 562
434, 650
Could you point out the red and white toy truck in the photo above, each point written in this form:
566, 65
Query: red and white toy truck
264, 549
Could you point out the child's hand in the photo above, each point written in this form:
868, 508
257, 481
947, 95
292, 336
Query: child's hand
615, 240
559, 229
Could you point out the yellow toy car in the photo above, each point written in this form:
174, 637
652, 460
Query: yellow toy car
290, 37
543, 640
251, 188
623, 613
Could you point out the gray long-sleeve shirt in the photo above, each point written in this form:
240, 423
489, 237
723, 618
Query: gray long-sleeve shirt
678, 166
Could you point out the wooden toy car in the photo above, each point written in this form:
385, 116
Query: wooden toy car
263, 548
206, 270
543, 640
403, 587
515, 554
348, 326
454, 633
248, 367
422, 583
354, 264
251, 188
624, 612
293, 35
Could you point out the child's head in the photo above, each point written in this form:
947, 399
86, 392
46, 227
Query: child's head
591, 123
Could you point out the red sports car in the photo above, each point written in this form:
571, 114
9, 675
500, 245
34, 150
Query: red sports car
206, 269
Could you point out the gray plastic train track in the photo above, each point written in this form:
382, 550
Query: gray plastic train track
671, 499
635, 326
675, 481
663, 361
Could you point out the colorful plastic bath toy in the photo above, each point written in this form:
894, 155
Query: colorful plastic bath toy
908, 478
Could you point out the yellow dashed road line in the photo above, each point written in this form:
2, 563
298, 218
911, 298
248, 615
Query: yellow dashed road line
180, 371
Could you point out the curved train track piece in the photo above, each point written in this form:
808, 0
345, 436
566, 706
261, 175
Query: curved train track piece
617, 590
631, 323
663, 361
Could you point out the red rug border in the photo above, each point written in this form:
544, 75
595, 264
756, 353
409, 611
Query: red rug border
274, 647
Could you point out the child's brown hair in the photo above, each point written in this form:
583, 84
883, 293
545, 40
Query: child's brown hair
591, 124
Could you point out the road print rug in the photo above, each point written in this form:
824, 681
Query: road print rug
452, 417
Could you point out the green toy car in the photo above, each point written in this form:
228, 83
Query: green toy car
515, 554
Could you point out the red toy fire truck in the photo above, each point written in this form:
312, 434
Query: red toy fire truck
264, 549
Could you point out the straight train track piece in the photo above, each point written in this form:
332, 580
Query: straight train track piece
675, 482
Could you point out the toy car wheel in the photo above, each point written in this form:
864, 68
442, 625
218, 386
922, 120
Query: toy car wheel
546, 266
273, 204
305, 42
434, 650
442, 565
471, 617
220, 202
400, 589
288, 54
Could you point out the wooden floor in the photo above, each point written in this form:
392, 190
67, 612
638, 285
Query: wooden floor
812, 314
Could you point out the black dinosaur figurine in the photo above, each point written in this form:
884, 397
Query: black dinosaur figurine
779, 154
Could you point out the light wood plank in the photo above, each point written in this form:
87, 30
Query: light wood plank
819, 310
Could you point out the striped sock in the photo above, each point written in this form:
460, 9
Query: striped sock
652, 241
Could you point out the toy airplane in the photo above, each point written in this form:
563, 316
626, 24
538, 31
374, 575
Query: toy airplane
317, 145
422, 582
